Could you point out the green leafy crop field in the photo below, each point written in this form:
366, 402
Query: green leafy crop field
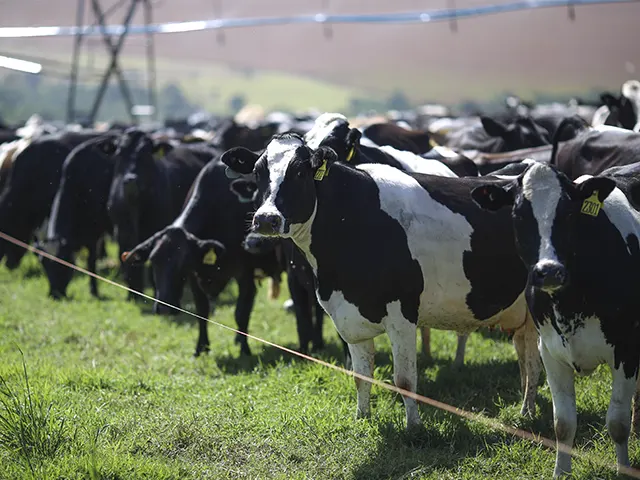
106, 390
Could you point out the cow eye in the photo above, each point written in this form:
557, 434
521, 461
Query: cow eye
300, 173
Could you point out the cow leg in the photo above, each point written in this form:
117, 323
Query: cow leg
302, 310
202, 309
565, 416
91, 263
426, 343
525, 341
362, 356
402, 335
619, 413
462, 344
244, 306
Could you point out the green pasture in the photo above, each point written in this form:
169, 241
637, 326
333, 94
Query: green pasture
106, 390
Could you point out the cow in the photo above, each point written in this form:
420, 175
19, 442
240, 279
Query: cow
332, 129
79, 216
25, 200
390, 134
595, 150
229, 134
496, 137
621, 110
579, 241
391, 252
148, 189
212, 219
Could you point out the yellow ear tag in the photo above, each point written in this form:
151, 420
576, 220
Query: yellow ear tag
159, 154
350, 154
592, 205
321, 172
433, 143
210, 257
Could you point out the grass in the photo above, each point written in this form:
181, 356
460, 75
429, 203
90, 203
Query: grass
105, 390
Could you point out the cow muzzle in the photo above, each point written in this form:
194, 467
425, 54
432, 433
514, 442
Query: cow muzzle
267, 224
256, 244
549, 276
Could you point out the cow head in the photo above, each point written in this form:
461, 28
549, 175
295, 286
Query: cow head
133, 180
285, 177
173, 253
523, 133
624, 109
547, 208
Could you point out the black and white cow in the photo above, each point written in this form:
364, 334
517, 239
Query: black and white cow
393, 251
79, 216
580, 244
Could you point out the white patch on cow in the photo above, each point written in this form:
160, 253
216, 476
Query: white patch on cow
445, 152
437, 239
415, 163
9, 151
585, 347
322, 127
367, 142
542, 189
280, 152
349, 322
600, 116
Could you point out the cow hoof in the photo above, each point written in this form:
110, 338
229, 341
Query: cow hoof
200, 350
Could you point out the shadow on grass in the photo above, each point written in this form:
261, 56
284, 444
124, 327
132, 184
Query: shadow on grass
474, 387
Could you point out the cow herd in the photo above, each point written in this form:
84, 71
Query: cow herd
527, 219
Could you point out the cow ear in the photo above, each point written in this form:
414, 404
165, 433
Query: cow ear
240, 160
161, 149
602, 185
609, 100
107, 146
209, 252
321, 161
353, 142
140, 254
492, 197
244, 189
493, 127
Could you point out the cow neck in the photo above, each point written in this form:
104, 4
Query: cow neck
333, 193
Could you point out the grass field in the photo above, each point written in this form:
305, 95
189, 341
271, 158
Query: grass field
113, 393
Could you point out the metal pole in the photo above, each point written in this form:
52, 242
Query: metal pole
113, 65
73, 78
151, 60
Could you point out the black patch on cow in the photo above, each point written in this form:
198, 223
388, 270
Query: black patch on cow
361, 251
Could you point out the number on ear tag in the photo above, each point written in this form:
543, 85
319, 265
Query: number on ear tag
592, 205
210, 258
321, 172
